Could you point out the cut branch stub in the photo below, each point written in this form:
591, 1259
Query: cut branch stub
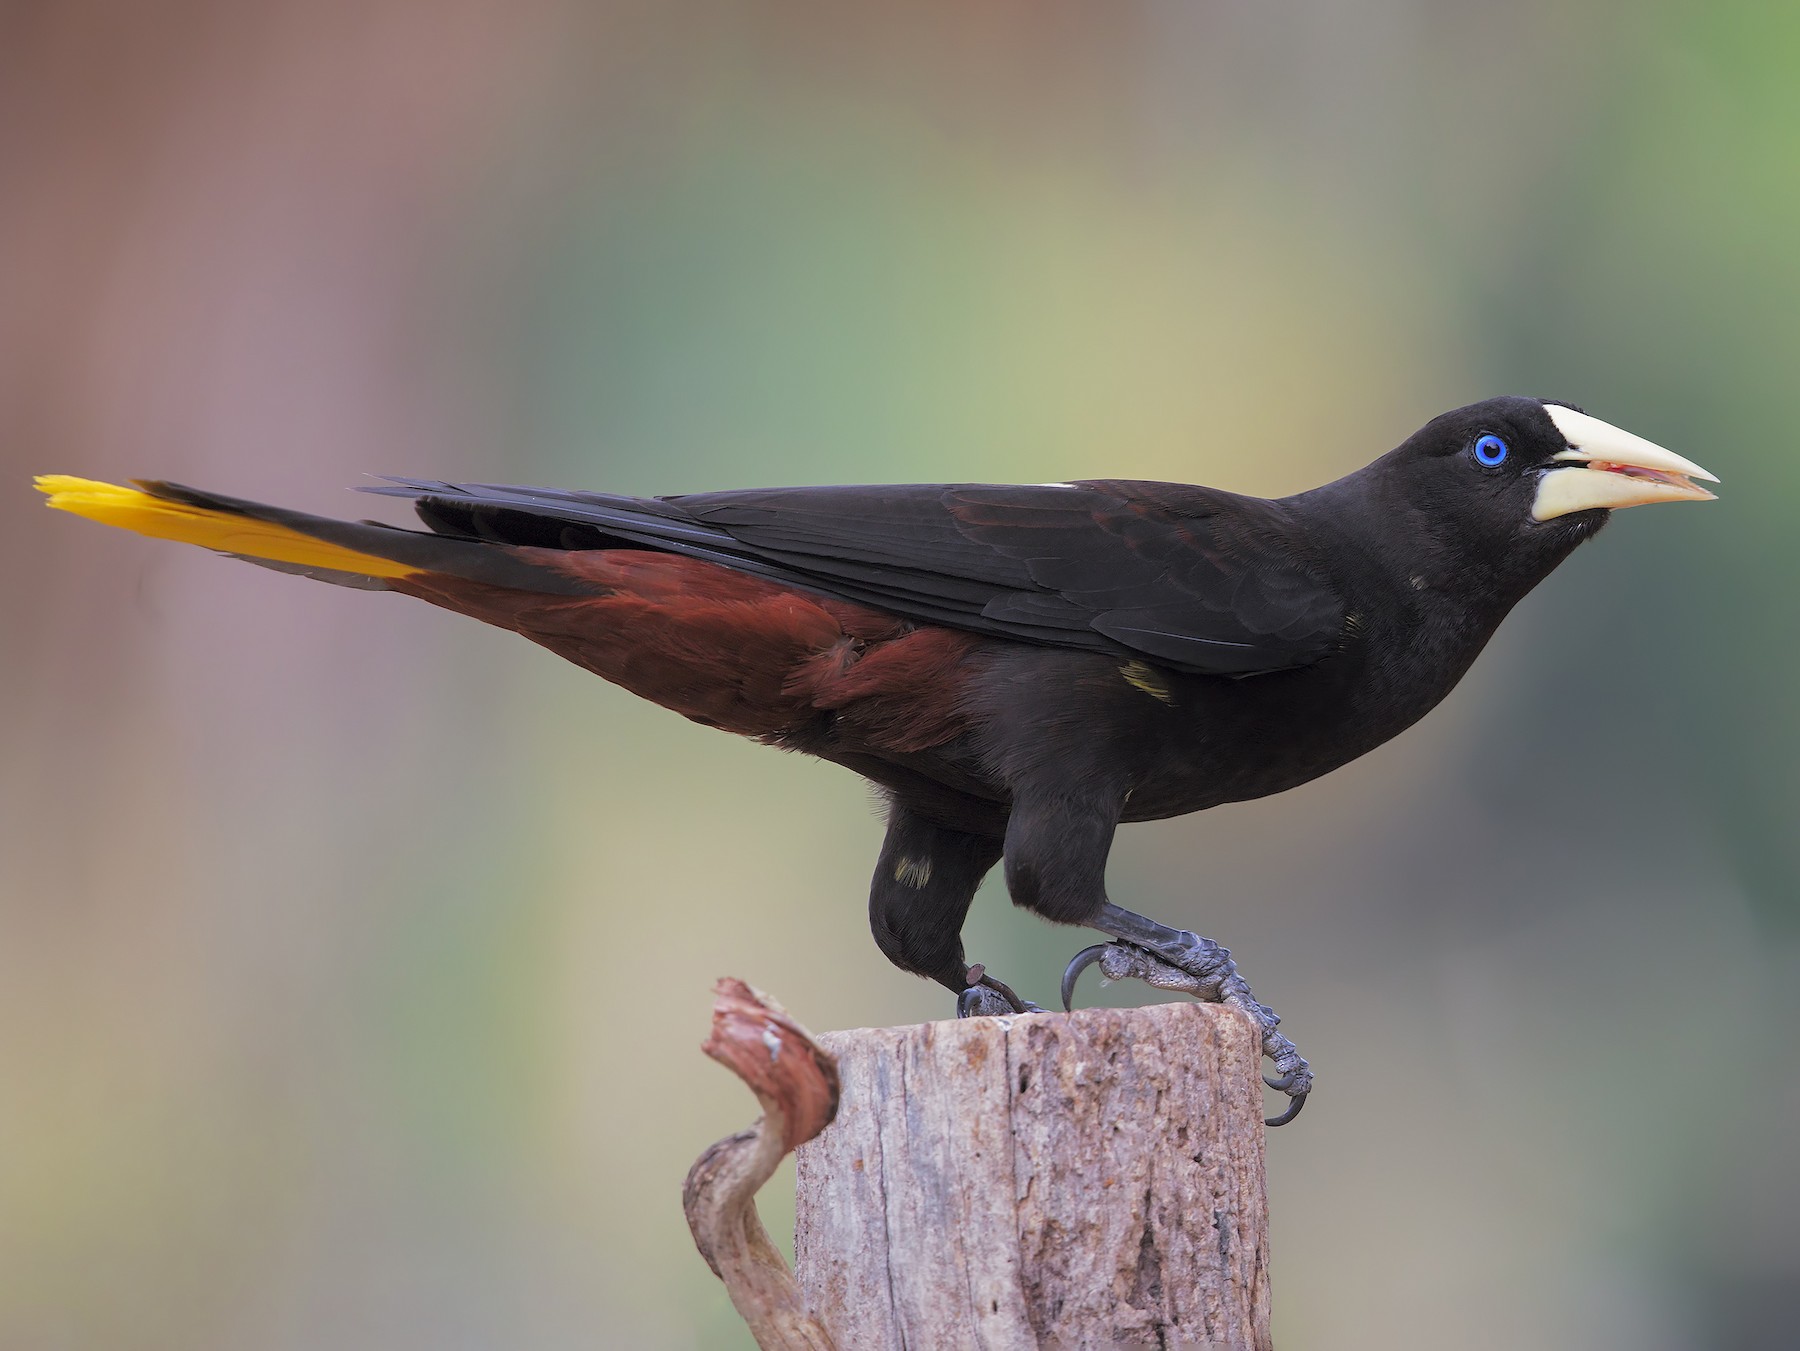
797, 1086
759, 1041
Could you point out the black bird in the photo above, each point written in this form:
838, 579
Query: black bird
1019, 668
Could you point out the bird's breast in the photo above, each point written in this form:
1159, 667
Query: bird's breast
1234, 740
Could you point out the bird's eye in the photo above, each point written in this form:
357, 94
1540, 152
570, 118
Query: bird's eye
1489, 451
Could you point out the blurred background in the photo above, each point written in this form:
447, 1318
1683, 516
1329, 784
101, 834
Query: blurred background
354, 958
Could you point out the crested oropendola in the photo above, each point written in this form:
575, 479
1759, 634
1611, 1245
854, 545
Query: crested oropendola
1019, 668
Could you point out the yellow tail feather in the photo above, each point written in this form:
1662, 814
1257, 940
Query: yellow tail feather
148, 514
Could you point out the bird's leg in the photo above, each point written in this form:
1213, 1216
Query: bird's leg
1174, 959
924, 881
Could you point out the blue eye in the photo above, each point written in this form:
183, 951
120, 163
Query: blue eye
1490, 451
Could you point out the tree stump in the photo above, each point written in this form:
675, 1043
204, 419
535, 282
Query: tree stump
1042, 1181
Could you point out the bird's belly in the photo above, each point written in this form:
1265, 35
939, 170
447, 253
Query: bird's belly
1216, 780
1253, 739
1182, 745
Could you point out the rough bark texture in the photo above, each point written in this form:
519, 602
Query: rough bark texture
1084, 1180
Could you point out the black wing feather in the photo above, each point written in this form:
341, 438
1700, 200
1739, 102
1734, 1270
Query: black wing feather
1200, 581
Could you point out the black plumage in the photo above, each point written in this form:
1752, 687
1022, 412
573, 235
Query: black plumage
1022, 668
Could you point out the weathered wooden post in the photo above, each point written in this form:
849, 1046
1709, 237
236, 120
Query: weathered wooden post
1042, 1181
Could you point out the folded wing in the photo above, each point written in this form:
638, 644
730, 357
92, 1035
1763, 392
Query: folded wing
1199, 581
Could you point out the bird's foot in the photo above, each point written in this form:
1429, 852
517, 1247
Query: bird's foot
1174, 959
988, 997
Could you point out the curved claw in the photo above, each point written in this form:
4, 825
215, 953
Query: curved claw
1284, 1083
1080, 962
1005, 991
968, 1003
1287, 1116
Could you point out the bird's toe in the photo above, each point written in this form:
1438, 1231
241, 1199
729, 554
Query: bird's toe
978, 1001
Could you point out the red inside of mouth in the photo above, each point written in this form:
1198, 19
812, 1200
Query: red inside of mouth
1638, 471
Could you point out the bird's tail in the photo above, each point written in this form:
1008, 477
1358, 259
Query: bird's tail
352, 553
713, 643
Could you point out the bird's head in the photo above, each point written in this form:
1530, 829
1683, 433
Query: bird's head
1510, 486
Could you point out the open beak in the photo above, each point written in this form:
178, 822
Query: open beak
1610, 468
